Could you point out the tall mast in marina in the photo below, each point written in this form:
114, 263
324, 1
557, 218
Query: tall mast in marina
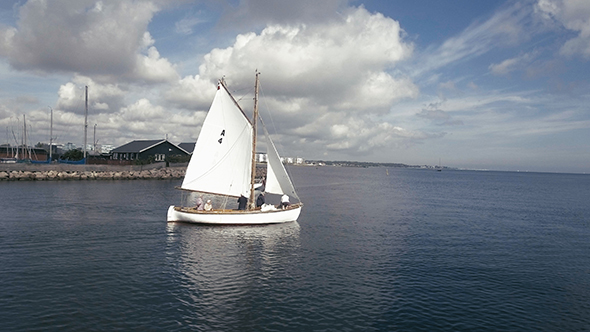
86, 122
94, 140
252, 204
51, 135
25, 149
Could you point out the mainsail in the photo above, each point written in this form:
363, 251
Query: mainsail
220, 163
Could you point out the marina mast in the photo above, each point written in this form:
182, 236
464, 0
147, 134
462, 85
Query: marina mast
51, 135
86, 122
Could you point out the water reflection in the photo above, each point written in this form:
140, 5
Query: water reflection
223, 271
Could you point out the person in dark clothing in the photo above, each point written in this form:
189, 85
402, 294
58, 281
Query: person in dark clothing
260, 200
199, 204
242, 201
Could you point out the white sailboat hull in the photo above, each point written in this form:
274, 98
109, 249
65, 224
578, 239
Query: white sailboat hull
234, 217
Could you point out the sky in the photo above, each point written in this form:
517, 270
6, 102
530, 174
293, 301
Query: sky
499, 85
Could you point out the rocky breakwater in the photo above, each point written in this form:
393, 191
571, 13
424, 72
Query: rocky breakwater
53, 175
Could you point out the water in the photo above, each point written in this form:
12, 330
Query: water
413, 250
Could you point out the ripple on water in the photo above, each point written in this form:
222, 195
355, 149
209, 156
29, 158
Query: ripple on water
412, 250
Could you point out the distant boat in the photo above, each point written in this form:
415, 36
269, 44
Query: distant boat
48, 161
223, 164
73, 162
8, 160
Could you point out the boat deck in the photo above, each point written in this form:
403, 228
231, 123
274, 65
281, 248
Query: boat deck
229, 211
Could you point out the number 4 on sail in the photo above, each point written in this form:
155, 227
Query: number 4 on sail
223, 167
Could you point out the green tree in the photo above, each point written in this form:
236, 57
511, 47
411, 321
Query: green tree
149, 160
177, 158
74, 155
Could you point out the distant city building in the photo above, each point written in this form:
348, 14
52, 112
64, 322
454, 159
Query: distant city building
105, 148
261, 157
69, 146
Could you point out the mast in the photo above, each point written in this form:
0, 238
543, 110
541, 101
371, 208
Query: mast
252, 202
86, 122
25, 149
94, 141
51, 135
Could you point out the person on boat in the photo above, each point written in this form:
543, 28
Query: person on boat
262, 186
260, 200
208, 206
285, 201
242, 201
199, 204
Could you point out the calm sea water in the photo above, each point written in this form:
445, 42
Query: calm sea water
413, 250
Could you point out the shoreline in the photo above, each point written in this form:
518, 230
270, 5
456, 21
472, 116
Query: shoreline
57, 172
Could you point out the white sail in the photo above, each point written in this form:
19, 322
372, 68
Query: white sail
220, 163
277, 179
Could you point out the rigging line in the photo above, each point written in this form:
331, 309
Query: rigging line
240, 90
245, 94
269, 114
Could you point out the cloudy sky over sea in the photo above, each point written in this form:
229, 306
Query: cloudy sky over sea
477, 84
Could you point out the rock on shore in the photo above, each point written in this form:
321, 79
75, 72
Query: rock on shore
52, 175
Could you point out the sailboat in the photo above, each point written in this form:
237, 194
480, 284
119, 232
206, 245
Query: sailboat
223, 165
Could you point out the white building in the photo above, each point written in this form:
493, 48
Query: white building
105, 148
69, 146
261, 157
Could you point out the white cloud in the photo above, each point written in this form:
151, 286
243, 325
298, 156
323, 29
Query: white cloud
509, 65
448, 85
506, 27
141, 110
575, 16
99, 38
333, 77
107, 98
153, 68
191, 92
504, 67
310, 71
285, 12
439, 117
321, 60
185, 26
355, 135
145, 120
313, 77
